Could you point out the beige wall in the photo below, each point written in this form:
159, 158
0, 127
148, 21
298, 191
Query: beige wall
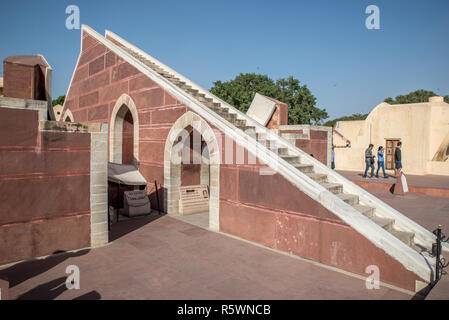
57, 110
420, 126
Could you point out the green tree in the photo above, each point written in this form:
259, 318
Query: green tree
414, 97
59, 100
240, 92
355, 116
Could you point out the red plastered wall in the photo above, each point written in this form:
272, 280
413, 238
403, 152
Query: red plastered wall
44, 188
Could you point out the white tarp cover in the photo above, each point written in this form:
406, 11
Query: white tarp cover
261, 109
125, 174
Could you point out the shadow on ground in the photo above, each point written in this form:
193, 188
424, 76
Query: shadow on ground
53, 289
25, 270
121, 228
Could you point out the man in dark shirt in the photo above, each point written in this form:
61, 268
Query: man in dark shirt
369, 160
398, 159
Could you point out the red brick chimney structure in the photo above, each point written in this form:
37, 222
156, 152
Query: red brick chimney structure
28, 77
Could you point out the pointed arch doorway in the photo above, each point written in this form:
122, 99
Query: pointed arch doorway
210, 165
124, 132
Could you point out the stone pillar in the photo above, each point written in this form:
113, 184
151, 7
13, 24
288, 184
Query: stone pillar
214, 196
99, 234
204, 171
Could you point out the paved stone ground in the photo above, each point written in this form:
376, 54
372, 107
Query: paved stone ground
441, 290
164, 258
429, 181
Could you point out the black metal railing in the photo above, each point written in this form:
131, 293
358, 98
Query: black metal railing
440, 262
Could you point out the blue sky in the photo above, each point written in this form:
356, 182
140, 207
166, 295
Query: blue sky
324, 44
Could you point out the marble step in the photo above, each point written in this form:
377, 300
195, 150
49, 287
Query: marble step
365, 210
168, 75
213, 105
231, 117
404, 236
148, 63
279, 151
350, 199
185, 87
335, 188
292, 159
244, 128
241, 123
318, 177
225, 112
177, 82
385, 223
305, 168
261, 136
192, 91
270, 144
215, 108
219, 108
201, 99
158, 70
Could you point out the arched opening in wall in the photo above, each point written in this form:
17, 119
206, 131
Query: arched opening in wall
68, 116
123, 145
195, 161
124, 132
191, 158
128, 139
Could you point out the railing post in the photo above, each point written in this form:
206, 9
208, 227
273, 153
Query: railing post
157, 198
438, 252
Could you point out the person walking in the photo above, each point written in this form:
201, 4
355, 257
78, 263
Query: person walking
398, 159
380, 161
333, 158
369, 160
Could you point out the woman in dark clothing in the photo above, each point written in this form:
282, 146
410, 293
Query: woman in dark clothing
380, 161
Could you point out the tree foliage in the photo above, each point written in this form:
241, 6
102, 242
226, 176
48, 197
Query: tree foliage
59, 100
355, 116
414, 97
240, 92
